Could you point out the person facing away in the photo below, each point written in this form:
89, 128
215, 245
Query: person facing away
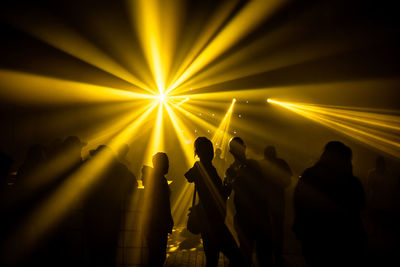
102, 207
277, 174
212, 200
328, 200
251, 220
158, 221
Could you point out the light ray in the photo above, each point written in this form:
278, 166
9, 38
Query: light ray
34, 89
222, 136
50, 30
157, 137
184, 135
381, 140
249, 17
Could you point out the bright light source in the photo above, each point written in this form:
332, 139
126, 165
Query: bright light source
234, 100
269, 100
161, 97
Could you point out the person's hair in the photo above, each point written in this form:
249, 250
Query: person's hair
161, 163
204, 149
237, 140
237, 147
338, 156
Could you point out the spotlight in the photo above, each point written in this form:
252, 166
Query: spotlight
234, 100
269, 100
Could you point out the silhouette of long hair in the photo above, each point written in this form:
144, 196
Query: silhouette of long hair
337, 156
204, 149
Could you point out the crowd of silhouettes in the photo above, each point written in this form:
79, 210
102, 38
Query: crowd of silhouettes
334, 212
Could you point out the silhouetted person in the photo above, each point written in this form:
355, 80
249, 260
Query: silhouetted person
219, 162
277, 173
251, 220
212, 200
158, 221
328, 200
102, 208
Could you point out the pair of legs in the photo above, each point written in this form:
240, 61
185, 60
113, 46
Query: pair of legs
252, 235
157, 248
216, 239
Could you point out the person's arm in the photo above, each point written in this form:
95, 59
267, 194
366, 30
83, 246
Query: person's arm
192, 173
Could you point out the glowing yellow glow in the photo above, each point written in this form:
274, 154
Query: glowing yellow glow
249, 17
157, 137
29, 88
350, 125
56, 33
161, 97
183, 134
222, 136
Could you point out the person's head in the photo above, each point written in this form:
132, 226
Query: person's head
218, 152
338, 156
237, 147
160, 163
204, 149
269, 152
380, 164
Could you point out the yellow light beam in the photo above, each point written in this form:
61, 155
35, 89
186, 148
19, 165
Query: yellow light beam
56, 33
246, 20
210, 29
157, 24
194, 118
185, 137
238, 65
20, 87
222, 136
157, 137
373, 119
374, 140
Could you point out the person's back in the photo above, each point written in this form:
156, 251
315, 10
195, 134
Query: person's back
212, 194
158, 219
328, 200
